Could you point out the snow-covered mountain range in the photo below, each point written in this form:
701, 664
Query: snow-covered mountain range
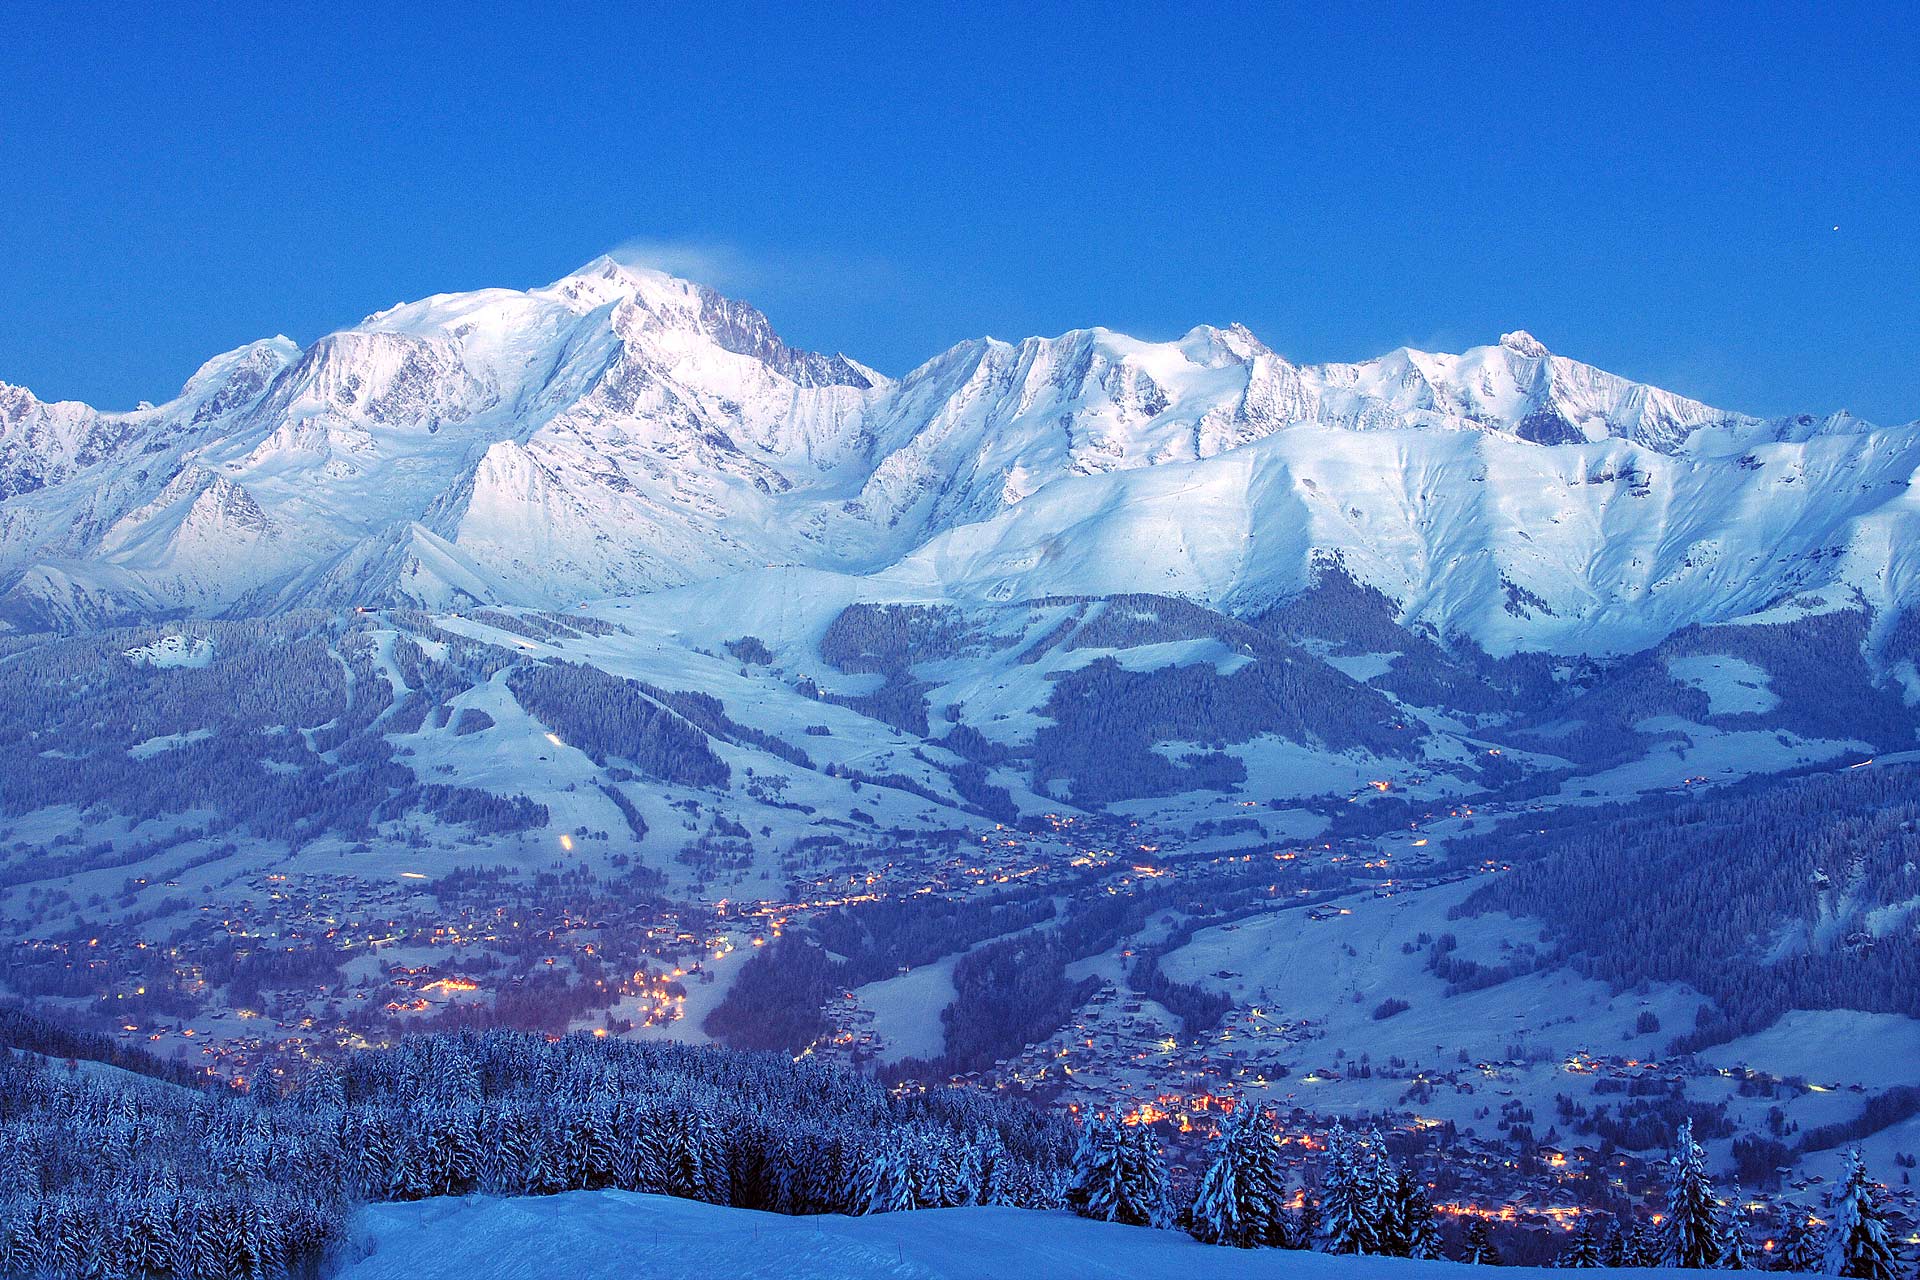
620, 431
730, 622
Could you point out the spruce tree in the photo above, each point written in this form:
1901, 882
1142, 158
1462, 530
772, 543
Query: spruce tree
1239, 1200
1692, 1227
1858, 1245
992, 1161
1382, 1184
1346, 1197
1735, 1253
1479, 1246
933, 1166
1414, 1213
1613, 1252
1801, 1248
694, 1169
1143, 1179
1583, 1250
890, 1181
1306, 1228
1120, 1175
1643, 1247
1095, 1169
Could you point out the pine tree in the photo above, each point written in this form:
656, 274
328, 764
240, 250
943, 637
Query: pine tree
1613, 1251
694, 1169
1120, 1175
19, 1238
1420, 1232
1143, 1179
970, 1174
1641, 1248
1858, 1245
1240, 1197
1347, 1202
931, 1169
1479, 1246
1583, 1250
1801, 1250
1692, 1226
1382, 1183
1307, 1229
993, 1160
1095, 1170
845, 1183
1735, 1253
890, 1181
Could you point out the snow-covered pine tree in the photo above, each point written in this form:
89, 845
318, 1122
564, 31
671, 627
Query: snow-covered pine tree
1735, 1252
1480, 1250
1583, 1250
1858, 1245
513, 1161
1383, 1180
937, 1171
320, 1089
695, 1167
19, 1166
1643, 1247
890, 1181
991, 1159
407, 1178
1306, 1228
1347, 1201
1414, 1215
754, 1180
19, 1237
116, 1232
1096, 1159
1802, 1249
1240, 1201
844, 1187
1143, 1179
970, 1174
1120, 1175
216, 1240
1613, 1247
1692, 1228
262, 1243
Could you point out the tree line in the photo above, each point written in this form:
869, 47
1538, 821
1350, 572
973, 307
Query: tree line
1366, 1204
111, 1176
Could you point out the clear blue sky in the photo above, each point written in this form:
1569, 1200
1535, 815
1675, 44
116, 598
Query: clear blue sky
1653, 193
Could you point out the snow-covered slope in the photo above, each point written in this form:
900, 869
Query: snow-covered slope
620, 431
1592, 547
584, 1235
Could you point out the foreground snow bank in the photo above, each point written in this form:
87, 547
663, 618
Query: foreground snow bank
585, 1235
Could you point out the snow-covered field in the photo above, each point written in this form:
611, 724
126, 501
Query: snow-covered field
616, 1235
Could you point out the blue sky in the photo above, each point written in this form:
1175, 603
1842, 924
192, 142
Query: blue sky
1655, 193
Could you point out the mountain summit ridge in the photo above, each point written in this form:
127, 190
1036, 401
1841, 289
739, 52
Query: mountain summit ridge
621, 430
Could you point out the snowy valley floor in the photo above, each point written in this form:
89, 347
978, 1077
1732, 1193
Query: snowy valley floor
588, 1235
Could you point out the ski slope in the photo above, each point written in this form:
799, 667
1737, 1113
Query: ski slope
588, 1235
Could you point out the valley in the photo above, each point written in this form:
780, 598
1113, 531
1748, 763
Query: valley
1481, 746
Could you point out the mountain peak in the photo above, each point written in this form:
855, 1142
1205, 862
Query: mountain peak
607, 279
1520, 342
610, 269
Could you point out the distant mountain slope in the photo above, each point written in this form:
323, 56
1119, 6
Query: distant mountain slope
620, 431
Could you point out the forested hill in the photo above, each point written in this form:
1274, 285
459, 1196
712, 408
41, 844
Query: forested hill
1797, 894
